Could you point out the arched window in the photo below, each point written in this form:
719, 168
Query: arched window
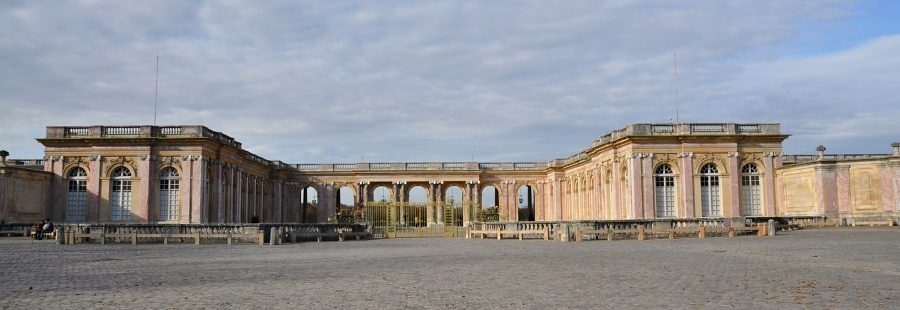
665, 191
76, 199
120, 195
168, 194
750, 198
709, 191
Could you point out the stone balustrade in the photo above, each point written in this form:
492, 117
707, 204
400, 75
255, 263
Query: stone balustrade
805, 158
421, 166
141, 131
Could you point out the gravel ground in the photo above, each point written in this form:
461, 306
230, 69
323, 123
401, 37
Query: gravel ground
836, 268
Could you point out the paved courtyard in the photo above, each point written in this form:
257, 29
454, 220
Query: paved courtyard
838, 268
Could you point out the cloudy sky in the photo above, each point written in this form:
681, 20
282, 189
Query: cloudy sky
341, 81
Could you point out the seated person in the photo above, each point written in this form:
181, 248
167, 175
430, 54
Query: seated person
39, 229
48, 226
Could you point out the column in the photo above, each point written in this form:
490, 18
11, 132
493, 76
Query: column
240, 187
197, 166
615, 186
768, 185
734, 178
647, 181
512, 202
598, 195
637, 190
559, 201
467, 203
439, 195
431, 205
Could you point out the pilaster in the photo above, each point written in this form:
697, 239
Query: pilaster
142, 207
734, 180
647, 182
637, 198
686, 190
93, 189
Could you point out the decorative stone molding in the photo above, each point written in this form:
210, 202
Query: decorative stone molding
686, 154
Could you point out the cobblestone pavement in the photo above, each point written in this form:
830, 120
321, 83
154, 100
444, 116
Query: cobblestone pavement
837, 268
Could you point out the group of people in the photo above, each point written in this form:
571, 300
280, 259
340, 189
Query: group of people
44, 227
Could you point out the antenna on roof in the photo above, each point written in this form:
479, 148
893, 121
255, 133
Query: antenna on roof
675, 74
156, 90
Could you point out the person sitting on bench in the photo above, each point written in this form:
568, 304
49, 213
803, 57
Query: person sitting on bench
46, 228
38, 229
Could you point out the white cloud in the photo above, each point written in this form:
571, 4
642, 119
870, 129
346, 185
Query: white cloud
333, 81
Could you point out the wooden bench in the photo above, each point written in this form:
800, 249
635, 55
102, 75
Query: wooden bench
48, 236
760, 230
873, 223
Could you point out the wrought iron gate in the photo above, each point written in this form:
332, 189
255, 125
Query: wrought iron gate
414, 220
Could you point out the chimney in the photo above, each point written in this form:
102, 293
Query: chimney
896, 147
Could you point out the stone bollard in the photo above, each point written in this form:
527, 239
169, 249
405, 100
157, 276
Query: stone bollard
771, 227
61, 235
273, 236
564, 232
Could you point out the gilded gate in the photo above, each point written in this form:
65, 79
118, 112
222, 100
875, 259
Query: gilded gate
414, 220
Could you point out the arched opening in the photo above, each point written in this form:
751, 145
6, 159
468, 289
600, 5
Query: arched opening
453, 208
76, 198
382, 194
346, 201
664, 180
169, 180
346, 197
453, 195
417, 212
709, 191
490, 205
120, 195
418, 195
750, 194
526, 203
309, 208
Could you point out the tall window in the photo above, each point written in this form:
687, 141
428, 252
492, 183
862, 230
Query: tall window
120, 195
709, 191
76, 200
665, 191
168, 194
750, 198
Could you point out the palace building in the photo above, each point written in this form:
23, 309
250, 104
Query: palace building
192, 174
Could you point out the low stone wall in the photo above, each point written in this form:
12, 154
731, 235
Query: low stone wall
207, 233
561, 228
